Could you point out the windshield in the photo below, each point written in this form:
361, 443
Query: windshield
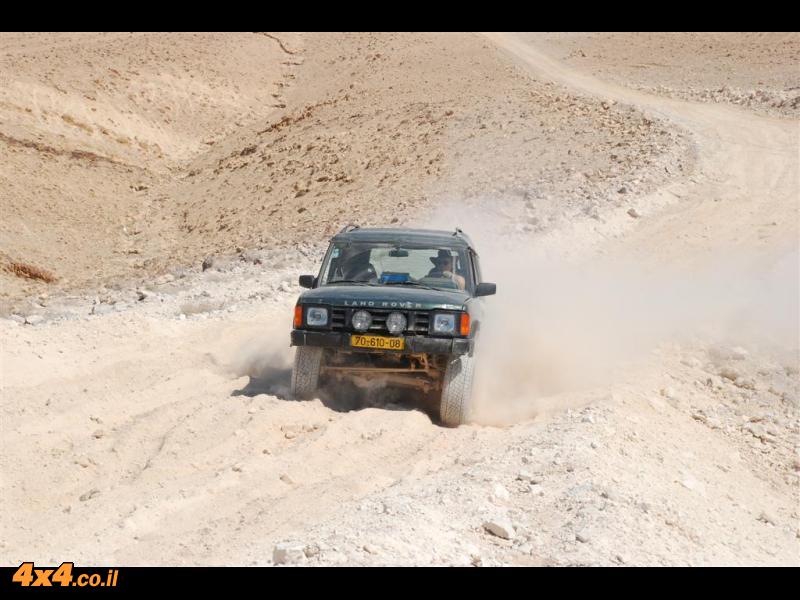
431, 267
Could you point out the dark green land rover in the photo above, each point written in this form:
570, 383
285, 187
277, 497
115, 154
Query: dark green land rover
401, 306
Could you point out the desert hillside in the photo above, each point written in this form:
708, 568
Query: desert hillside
156, 151
755, 70
92, 122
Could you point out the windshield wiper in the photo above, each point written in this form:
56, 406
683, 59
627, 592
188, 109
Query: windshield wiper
351, 281
414, 283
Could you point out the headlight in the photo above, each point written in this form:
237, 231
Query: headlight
361, 320
444, 324
316, 316
395, 323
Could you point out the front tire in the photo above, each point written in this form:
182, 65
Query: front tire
455, 406
305, 373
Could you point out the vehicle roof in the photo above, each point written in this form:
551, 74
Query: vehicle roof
452, 239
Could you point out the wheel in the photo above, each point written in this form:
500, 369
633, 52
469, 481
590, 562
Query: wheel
456, 402
305, 373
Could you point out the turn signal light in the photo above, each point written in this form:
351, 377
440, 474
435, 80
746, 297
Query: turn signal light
298, 316
465, 324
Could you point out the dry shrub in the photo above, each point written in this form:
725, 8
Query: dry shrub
29, 272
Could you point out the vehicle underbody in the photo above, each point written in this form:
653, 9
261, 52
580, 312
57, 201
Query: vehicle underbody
420, 371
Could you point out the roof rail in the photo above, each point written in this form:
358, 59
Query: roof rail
349, 227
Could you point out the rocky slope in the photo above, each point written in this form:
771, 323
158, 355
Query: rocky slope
421, 120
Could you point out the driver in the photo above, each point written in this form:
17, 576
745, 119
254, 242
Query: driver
444, 268
357, 267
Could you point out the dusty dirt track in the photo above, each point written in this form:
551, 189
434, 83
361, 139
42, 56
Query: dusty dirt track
155, 431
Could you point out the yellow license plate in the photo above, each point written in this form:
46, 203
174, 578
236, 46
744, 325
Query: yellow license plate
378, 342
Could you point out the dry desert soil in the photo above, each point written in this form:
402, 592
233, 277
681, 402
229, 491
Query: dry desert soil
635, 197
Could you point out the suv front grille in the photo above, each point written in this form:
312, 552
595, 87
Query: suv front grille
417, 319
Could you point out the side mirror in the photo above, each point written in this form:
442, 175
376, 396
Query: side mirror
486, 289
307, 281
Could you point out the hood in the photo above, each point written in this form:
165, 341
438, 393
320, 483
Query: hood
385, 297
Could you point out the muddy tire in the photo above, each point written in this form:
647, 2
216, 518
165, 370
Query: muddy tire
456, 402
305, 373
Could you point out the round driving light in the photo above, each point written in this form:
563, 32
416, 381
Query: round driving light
361, 320
395, 323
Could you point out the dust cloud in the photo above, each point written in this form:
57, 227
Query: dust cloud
560, 328
560, 325
266, 358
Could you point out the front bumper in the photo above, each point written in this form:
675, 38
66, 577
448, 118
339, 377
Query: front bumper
415, 344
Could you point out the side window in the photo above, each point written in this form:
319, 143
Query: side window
332, 261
